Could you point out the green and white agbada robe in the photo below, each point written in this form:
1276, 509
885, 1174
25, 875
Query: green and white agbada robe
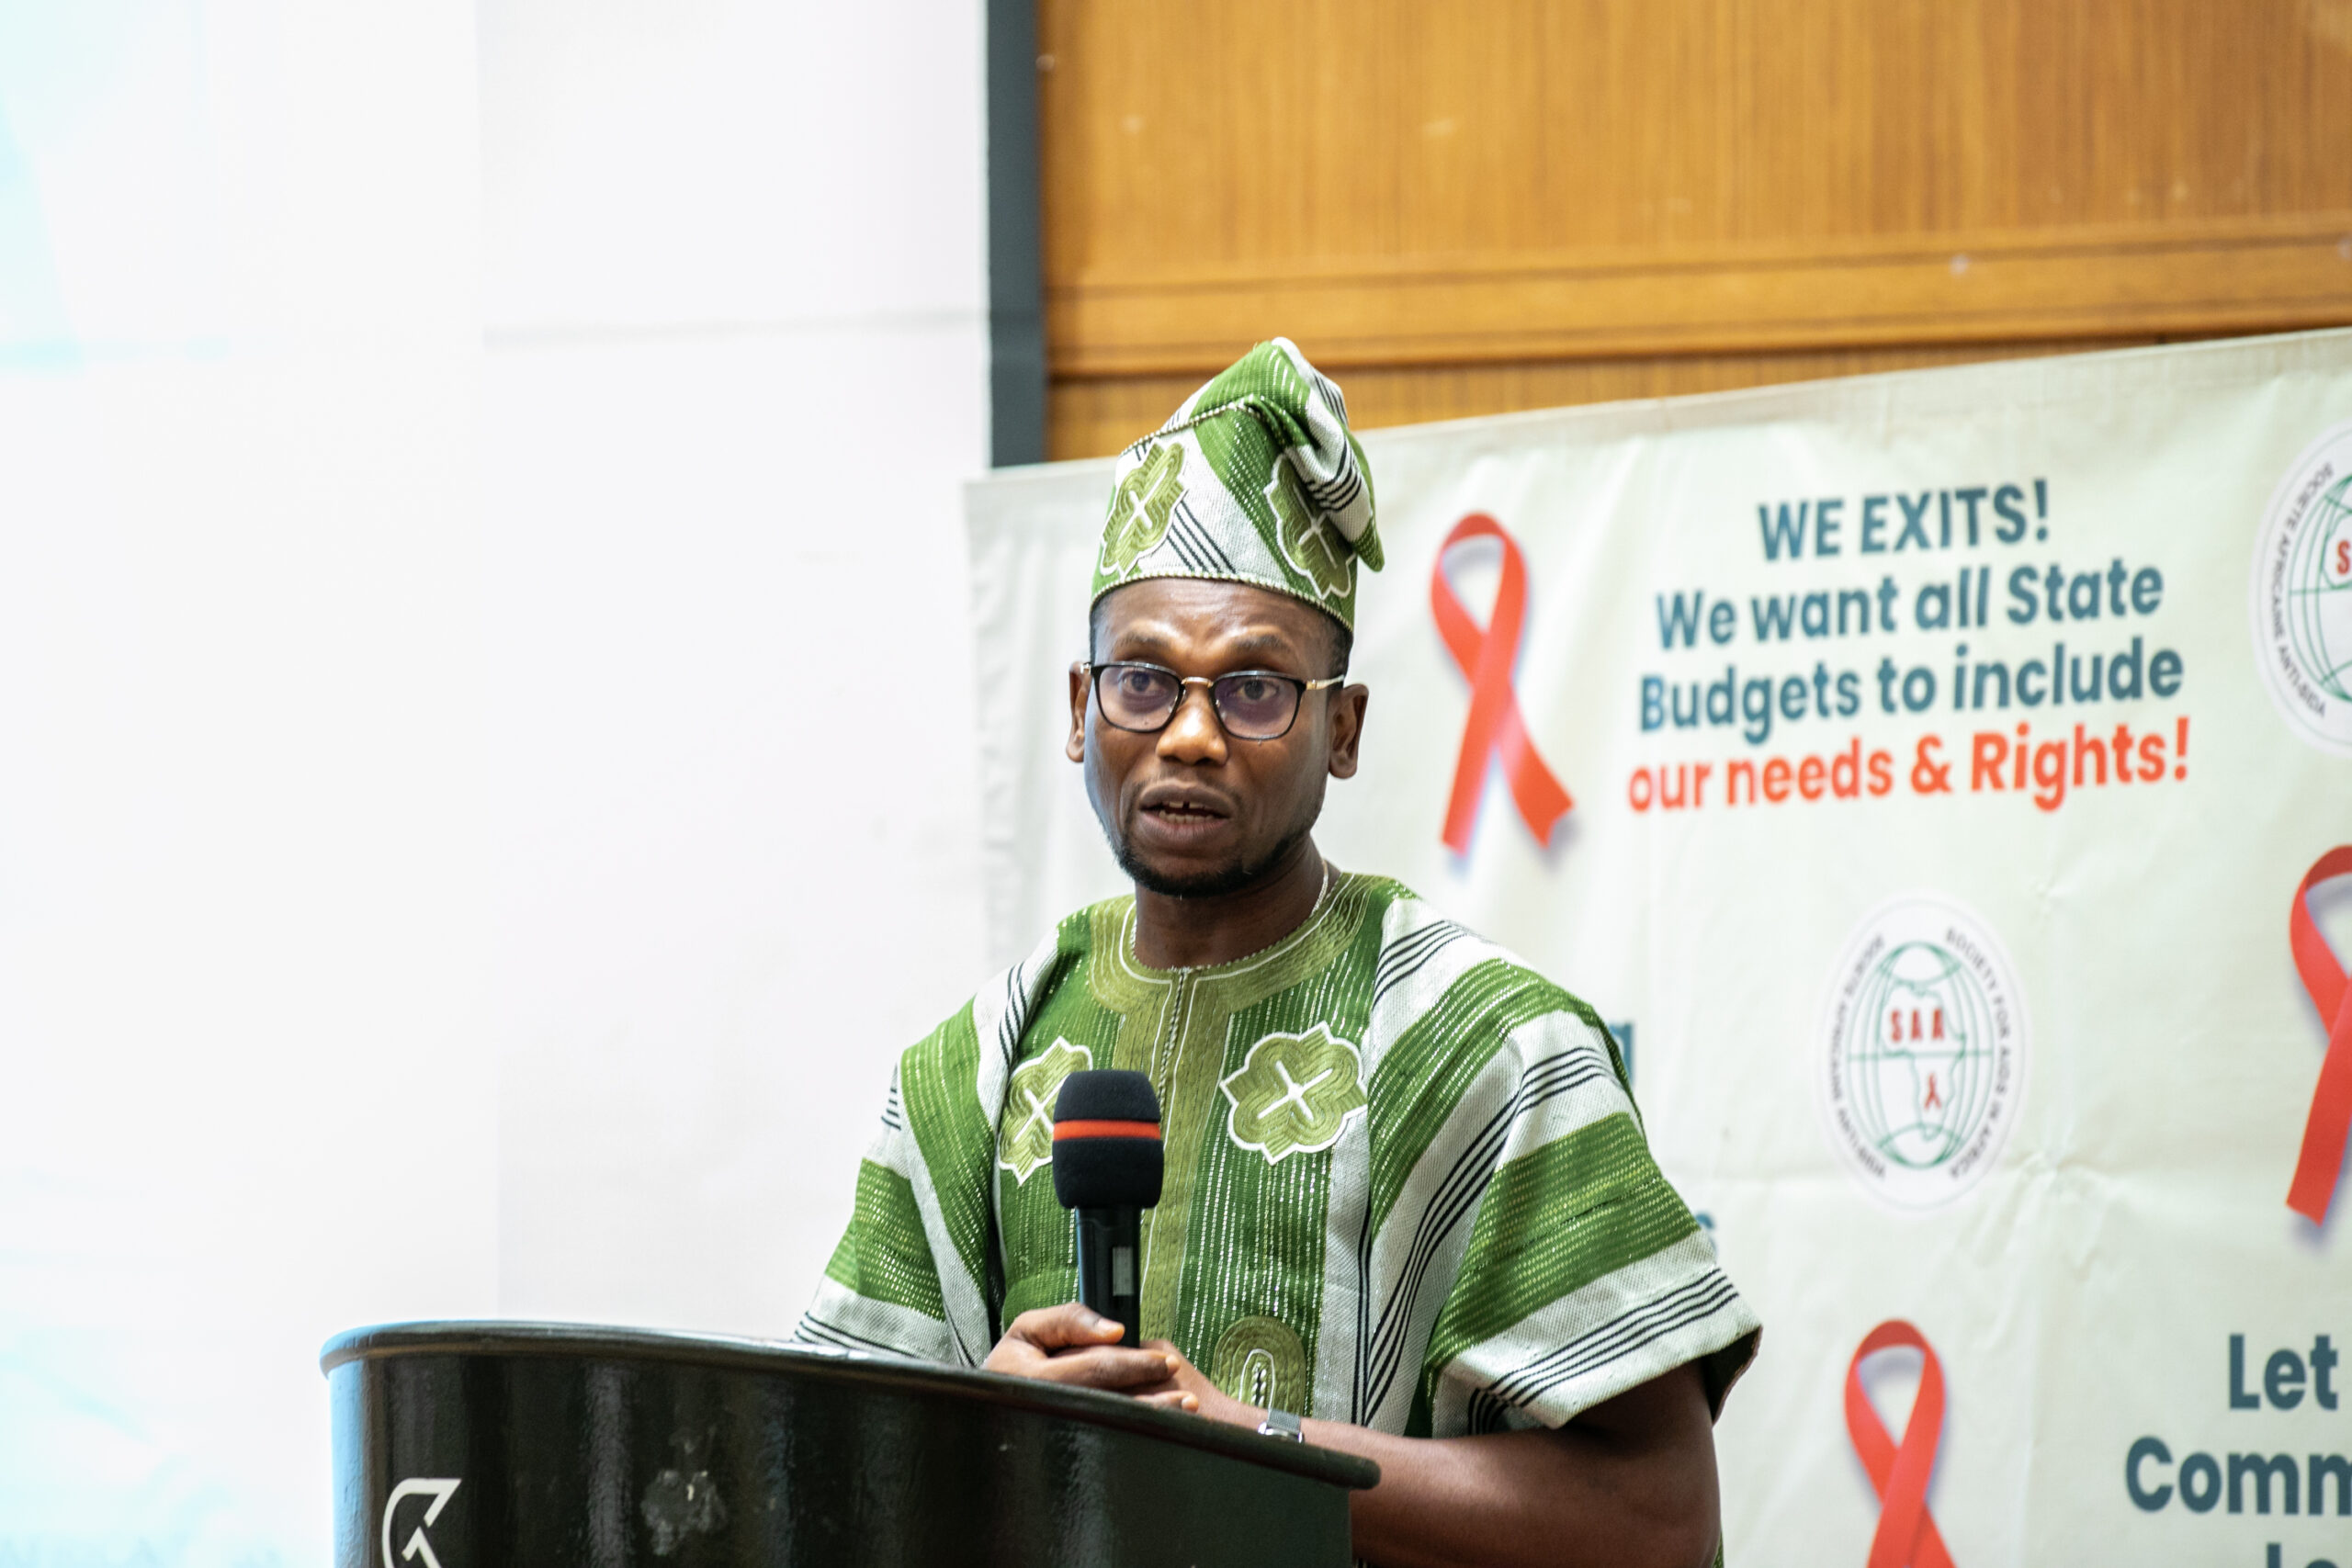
1406, 1185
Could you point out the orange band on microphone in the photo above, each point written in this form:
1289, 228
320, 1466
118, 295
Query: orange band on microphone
1106, 1130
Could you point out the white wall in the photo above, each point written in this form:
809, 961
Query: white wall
472, 486
738, 367
243, 1055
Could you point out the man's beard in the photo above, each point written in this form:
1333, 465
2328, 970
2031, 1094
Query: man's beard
1206, 884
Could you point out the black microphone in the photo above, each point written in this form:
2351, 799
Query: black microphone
1107, 1172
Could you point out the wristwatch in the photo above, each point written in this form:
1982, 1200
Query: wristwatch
1281, 1423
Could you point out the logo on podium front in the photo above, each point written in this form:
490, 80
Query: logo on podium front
434, 1493
1923, 1052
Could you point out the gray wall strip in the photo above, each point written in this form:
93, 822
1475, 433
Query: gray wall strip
1016, 269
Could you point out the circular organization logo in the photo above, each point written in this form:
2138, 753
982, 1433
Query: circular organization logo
1923, 1032
2302, 594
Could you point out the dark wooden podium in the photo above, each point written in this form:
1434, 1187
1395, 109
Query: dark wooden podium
515, 1445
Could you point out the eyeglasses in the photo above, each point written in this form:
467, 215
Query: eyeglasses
1253, 704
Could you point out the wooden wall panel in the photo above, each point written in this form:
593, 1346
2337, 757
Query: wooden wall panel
1088, 416
1557, 201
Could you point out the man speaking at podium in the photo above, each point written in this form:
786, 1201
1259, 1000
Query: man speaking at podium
1407, 1197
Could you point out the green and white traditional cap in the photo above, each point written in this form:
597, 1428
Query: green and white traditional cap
1255, 479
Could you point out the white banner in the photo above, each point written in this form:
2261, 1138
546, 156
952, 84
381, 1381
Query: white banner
1948, 750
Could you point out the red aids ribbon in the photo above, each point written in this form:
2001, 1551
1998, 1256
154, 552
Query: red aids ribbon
1906, 1534
1485, 655
2330, 991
